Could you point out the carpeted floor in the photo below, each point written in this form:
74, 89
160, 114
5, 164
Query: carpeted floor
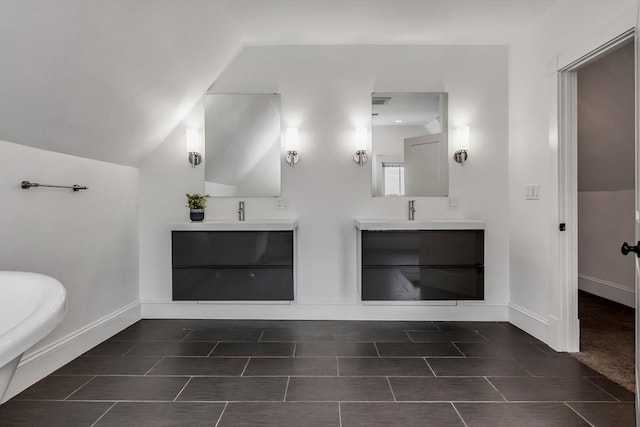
607, 338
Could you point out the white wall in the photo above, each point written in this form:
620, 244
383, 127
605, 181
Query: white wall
88, 240
605, 220
567, 31
326, 93
165, 177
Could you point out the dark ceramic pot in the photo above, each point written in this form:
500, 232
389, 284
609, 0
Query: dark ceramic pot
196, 215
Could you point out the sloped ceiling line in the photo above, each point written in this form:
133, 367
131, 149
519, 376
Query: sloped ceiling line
110, 80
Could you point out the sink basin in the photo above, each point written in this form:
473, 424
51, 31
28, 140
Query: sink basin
432, 224
235, 225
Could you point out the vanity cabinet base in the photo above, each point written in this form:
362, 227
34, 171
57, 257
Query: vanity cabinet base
422, 283
232, 265
422, 265
233, 284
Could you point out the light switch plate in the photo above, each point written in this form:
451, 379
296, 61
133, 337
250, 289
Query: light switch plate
532, 191
282, 203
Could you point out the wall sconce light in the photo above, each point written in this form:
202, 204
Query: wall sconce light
461, 143
292, 156
361, 146
193, 147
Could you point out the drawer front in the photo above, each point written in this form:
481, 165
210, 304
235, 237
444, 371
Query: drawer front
423, 248
231, 248
233, 284
422, 283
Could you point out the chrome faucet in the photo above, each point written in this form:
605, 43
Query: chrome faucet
241, 211
412, 210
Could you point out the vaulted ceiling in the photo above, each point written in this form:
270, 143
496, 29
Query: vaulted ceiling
108, 80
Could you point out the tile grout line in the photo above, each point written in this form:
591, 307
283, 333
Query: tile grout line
286, 390
578, 413
587, 378
485, 338
261, 334
459, 415
375, 345
212, 350
83, 384
340, 413
337, 366
182, 389
320, 401
130, 349
295, 348
222, 413
391, 388
105, 413
406, 332
494, 387
429, 366
522, 366
188, 335
458, 348
245, 366
151, 369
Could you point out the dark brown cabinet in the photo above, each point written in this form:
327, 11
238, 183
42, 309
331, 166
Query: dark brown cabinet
232, 265
415, 265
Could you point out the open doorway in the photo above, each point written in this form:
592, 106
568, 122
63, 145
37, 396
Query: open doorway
605, 189
606, 206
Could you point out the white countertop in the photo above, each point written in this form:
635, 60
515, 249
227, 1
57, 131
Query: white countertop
235, 225
431, 224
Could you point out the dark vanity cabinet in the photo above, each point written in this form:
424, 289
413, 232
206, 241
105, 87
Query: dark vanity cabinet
414, 265
232, 265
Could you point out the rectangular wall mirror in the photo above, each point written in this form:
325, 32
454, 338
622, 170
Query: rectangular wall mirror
242, 145
409, 153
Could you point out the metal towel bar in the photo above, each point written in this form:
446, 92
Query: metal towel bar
26, 185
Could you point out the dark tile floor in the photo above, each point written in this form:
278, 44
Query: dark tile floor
321, 373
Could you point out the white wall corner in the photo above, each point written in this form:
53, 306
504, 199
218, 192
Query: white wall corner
530, 322
37, 365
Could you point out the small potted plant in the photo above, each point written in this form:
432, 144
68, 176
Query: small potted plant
196, 202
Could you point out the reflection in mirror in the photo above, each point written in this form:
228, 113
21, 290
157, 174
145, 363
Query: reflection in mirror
409, 144
242, 145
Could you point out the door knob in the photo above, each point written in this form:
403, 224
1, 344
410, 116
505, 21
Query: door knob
625, 249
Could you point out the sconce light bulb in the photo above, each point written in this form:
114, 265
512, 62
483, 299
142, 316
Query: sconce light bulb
462, 144
193, 140
361, 138
292, 139
361, 146
292, 156
193, 147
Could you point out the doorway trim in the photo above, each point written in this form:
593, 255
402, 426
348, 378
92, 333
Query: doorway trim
569, 325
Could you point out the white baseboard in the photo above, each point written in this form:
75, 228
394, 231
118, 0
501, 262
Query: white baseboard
323, 311
606, 289
38, 364
530, 322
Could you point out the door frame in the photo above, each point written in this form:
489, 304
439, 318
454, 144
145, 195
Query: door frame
568, 338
